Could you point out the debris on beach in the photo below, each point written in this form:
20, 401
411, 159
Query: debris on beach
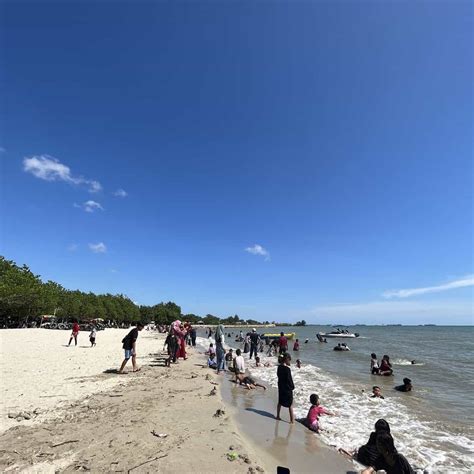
232, 456
24, 415
219, 412
159, 435
213, 391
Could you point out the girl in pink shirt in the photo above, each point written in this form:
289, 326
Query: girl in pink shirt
316, 410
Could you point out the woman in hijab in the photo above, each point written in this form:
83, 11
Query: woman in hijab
220, 352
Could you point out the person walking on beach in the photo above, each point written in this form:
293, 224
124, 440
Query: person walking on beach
254, 340
285, 387
220, 352
129, 345
75, 332
93, 335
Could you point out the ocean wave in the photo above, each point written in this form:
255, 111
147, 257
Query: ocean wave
406, 362
429, 445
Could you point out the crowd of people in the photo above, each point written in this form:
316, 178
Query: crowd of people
378, 453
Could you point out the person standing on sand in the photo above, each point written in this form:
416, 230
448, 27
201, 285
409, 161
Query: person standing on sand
75, 332
220, 352
193, 336
285, 387
129, 345
254, 340
93, 335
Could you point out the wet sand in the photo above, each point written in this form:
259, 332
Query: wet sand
281, 444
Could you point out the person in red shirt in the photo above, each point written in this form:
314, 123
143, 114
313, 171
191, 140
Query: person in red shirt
283, 343
75, 333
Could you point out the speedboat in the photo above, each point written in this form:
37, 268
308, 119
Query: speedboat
344, 334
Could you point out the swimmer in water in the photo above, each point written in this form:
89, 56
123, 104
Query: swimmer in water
406, 387
377, 392
298, 363
306, 341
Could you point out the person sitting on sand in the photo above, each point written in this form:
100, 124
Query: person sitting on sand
129, 345
211, 349
385, 366
389, 460
374, 364
249, 382
75, 332
211, 362
377, 392
296, 345
229, 356
285, 386
93, 335
406, 387
368, 453
315, 411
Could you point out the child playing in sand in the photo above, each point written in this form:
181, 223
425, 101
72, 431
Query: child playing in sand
316, 410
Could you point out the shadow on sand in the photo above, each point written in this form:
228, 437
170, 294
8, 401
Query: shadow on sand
262, 413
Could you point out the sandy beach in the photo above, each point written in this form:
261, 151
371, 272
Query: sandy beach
82, 417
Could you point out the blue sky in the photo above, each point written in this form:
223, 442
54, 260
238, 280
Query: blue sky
277, 160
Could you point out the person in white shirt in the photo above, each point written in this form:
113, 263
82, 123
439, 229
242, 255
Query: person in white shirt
239, 364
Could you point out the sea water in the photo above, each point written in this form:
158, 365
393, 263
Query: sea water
432, 425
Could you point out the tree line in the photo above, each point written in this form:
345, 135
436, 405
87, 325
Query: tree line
24, 296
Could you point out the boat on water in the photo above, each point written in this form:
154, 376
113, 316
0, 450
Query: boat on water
343, 334
289, 336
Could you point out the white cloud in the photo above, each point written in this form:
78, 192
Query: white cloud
50, 169
100, 247
405, 293
90, 206
258, 250
121, 193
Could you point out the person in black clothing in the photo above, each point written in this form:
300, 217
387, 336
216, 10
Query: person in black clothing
285, 387
389, 460
193, 337
406, 387
254, 340
129, 345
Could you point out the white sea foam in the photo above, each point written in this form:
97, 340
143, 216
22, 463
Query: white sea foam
427, 445
405, 362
